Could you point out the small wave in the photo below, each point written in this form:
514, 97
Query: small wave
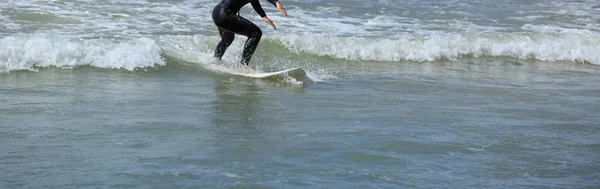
28, 52
566, 46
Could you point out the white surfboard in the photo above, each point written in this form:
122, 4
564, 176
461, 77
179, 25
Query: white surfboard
296, 73
292, 75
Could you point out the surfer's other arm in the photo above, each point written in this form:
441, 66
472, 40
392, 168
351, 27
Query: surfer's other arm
279, 6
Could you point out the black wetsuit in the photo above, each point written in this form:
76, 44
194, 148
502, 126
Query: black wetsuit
229, 23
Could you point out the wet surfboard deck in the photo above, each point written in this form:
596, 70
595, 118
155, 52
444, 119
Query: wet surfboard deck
295, 73
291, 75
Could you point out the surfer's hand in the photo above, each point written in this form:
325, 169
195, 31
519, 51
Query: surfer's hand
269, 21
280, 7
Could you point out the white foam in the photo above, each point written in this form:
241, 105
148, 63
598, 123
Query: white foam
26, 52
578, 46
199, 50
556, 29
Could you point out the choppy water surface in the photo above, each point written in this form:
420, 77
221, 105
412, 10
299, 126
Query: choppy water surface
404, 94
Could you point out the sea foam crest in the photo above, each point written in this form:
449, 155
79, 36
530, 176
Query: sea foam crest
26, 52
541, 46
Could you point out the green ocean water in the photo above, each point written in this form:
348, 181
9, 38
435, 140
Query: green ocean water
430, 125
401, 94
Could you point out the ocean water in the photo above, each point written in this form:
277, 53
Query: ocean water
402, 94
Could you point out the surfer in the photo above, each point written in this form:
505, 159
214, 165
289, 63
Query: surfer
229, 22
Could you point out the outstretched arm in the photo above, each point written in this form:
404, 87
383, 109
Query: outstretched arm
261, 12
280, 7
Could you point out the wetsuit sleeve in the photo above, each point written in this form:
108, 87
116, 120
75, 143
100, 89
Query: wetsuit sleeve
258, 8
273, 2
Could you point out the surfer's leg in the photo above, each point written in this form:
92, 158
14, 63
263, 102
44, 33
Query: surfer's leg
226, 40
250, 45
239, 25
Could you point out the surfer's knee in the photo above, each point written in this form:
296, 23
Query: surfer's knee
257, 33
226, 42
255, 36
